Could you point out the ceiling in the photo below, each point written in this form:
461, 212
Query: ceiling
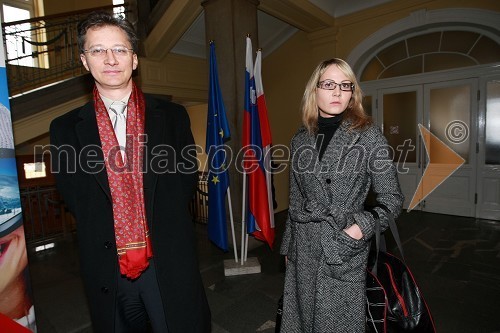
338, 8
272, 31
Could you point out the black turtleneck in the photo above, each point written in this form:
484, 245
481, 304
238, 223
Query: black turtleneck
326, 128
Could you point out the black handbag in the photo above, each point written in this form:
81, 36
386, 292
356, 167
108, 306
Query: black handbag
394, 301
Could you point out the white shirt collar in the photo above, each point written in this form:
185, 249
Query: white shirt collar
108, 101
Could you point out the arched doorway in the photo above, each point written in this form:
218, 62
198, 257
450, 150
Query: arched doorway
445, 77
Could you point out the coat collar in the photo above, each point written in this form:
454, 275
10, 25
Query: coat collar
341, 143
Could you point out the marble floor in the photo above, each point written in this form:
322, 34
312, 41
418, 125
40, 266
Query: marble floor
455, 261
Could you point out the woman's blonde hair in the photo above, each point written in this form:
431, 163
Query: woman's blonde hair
354, 112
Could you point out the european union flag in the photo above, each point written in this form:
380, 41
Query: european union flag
218, 179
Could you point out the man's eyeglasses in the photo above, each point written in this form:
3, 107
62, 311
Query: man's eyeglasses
101, 52
331, 85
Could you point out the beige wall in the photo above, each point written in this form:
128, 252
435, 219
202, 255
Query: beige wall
198, 116
182, 77
284, 75
353, 29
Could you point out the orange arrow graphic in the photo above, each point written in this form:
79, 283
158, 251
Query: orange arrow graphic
443, 162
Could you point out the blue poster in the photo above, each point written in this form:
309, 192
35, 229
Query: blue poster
16, 302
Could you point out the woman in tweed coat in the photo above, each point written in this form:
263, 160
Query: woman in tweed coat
337, 157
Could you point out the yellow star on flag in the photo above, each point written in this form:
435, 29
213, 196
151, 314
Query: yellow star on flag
221, 133
215, 180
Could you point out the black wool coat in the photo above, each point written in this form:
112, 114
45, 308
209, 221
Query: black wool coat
77, 163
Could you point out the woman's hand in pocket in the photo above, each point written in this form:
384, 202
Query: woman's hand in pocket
354, 232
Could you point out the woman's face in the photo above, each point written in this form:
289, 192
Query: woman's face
13, 257
335, 101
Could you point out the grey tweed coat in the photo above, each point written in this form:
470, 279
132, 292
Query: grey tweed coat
325, 274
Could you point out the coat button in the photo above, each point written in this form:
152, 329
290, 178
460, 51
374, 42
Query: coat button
328, 180
108, 245
104, 290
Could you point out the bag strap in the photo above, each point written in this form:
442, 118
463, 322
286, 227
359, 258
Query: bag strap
377, 241
380, 238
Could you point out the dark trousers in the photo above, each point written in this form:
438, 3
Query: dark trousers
139, 306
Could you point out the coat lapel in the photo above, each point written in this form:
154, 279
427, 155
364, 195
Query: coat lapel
88, 136
340, 144
154, 131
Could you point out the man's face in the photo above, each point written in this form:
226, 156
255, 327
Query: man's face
110, 71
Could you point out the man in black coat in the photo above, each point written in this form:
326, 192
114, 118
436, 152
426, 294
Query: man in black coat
125, 164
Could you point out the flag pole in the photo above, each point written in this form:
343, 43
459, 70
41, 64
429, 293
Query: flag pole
268, 173
244, 234
246, 246
243, 217
232, 222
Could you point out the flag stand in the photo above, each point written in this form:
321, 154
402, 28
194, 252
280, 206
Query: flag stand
250, 266
256, 132
218, 132
246, 265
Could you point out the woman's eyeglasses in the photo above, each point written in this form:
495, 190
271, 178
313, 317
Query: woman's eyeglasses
331, 85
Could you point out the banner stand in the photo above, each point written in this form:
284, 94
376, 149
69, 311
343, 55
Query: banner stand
17, 313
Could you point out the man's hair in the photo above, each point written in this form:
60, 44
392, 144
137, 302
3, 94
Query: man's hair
100, 19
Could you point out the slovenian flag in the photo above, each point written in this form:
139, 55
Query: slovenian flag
257, 161
218, 178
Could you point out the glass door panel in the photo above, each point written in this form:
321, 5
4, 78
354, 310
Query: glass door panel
492, 142
450, 115
399, 125
367, 105
401, 113
488, 174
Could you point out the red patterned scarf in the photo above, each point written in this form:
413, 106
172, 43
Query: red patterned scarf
126, 184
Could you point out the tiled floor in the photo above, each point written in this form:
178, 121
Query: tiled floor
455, 260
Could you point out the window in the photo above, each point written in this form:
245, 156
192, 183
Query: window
34, 170
119, 11
434, 51
18, 37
